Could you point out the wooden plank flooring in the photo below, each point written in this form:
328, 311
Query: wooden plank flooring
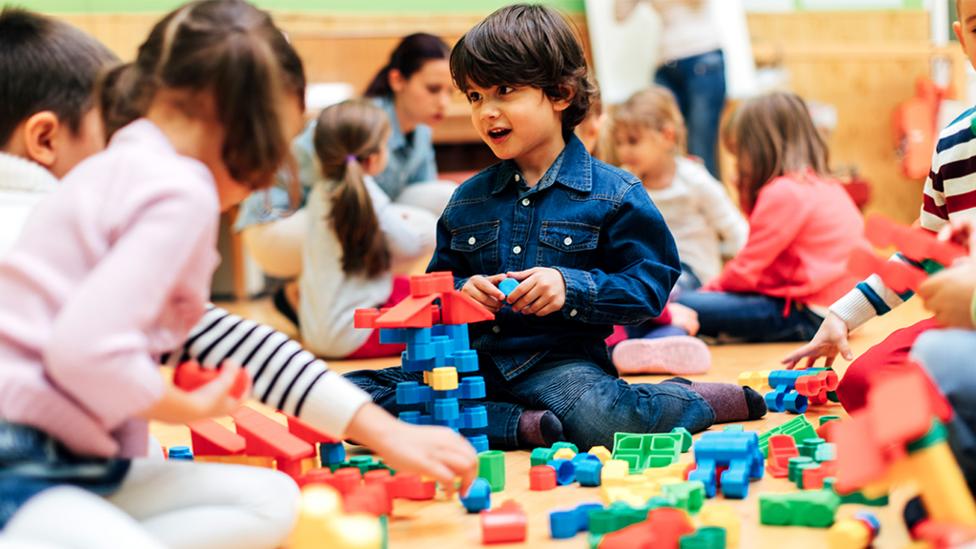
444, 524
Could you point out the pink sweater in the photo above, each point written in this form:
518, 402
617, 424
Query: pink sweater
110, 271
801, 233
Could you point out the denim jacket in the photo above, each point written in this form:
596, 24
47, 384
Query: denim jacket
592, 222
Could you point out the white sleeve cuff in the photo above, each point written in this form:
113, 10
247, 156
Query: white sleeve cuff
854, 309
331, 404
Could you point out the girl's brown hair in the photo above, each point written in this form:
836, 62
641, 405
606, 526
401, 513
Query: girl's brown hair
232, 50
345, 136
771, 136
654, 108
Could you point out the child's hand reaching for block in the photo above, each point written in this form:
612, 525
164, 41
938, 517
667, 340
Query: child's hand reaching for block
212, 399
541, 291
484, 290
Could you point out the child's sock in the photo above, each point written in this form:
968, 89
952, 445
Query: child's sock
539, 428
680, 355
730, 402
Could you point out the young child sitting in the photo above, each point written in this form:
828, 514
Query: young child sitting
582, 238
803, 227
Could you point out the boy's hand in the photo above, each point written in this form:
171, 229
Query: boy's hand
484, 290
435, 452
949, 294
541, 291
684, 317
213, 399
830, 339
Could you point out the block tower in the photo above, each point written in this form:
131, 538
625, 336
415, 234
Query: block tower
433, 324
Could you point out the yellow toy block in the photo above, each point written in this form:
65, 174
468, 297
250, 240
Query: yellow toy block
426, 377
444, 379
675, 471
758, 380
849, 534
564, 453
722, 515
941, 485
322, 518
614, 471
602, 453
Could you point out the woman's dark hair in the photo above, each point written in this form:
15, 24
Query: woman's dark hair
345, 136
526, 45
227, 47
408, 57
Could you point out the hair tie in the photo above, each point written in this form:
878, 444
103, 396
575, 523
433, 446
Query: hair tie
350, 158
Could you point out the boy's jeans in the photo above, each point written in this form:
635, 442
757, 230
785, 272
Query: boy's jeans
731, 316
591, 402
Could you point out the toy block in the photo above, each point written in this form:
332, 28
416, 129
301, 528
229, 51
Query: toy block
825, 452
413, 337
723, 516
708, 537
689, 495
322, 518
565, 471
813, 508
614, 470
190, 375
444, 379
647, 450
419, 354
480, 442
664, 527
410, 486
393, 336
465, 361
507, 524
266, 437
491, 467
379, 476
371, 499
563, 524
782, 399
798, 428
416, 365
182, 453
601, 453
758, 380
474, 417
781, 449
411, 393
432, 283
583, 511
542, 478
478, 497
827, 419
442, 352
849, 534
346, 479
564, 444
541, 456
315, 477
812, 478
583, 456
471, 388
808, 447
508, 286
737, 451
415, 418
564, 453
365, 318
685, 438
308, 433
588, 471
446, 409
856, 498
412, 312
797, 463
210, 438
458, 308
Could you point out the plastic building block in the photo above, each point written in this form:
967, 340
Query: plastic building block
588, 471
412, 312
507, 524
410, 486
563, 524
685, 438
541, 456
798, 428
541, 478
508, 286
180, 453
850, 534
813, 477
346, 480
316, 477
708, 537
465, 361
479, 496
210, 438
647, 450
689, 495
446, 409
601, 452
827, 419
759, 381
584, 456
723, 516
564, 453
444, 379
858, 498
737, 451
557, 446
664, 527
372, 499
474, 417
491, 467
365, 318
781, 449
267, 438
458, 308
432, 283
813, 508
473, 387
808, 447
190, 375
480, 442
614, 470
308, 433
565, 471
411, 393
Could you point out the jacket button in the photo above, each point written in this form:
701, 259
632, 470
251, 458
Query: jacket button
472, 240
567, 241
517, 250
496, 329
573, 313
526, 201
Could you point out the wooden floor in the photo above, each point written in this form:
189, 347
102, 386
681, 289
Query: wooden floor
444, 524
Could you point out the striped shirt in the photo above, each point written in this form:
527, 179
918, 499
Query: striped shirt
949, 194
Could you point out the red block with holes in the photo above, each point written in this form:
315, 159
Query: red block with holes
506, 524
781, 449
813, 479
190, 375
541, 478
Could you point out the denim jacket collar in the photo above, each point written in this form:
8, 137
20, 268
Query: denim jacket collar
572, 165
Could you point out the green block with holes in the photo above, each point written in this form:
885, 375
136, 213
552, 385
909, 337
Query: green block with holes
643, 451
689, 495
798, 428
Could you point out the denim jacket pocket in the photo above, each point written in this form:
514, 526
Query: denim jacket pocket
479, 245
567, 244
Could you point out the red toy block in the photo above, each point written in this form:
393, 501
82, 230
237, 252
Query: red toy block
373, 499
781, 449
505, 524
431, 283
813, 479
347, 479
902, 277
859, 457
378, 476
458, 308
409, 486
894, 421
412, 312
267, 438
190, 375
306, 432
662, 529
317, 476
210, 438
542, 477
864, 262
941, 535
365, 318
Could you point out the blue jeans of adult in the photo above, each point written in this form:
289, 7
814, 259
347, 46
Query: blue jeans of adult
752, 318
698, 83
582, 390
948, 357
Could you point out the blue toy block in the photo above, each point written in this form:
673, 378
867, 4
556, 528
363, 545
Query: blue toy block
583, 511
446, 409
410, 365
508, 286
474, 417
796, 403
459, 337
565, 471
442, 350
479, 496
583, 456
739, 452
438, 330
466, 361
393, 336
480, 443
449, 423
415, 418
564, 523
471, 388
182, 453
411, 393
417, 336
420, 351
332, 453
783, 399
588, 471
441, 395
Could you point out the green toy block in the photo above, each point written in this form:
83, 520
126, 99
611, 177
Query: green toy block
799, 473
937, 433
559, 445
594, 540
828, 419
856, 498
541, 456
798, 428
689, 495
491, 467
795, 464
825, 452
616, 517
385, 526
642, 451
706, 537
685, 438
813, 508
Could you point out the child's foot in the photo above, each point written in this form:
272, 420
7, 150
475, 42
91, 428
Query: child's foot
539, 428
681, 355
730, 402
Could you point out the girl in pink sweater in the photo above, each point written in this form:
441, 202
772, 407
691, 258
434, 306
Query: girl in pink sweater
802, 229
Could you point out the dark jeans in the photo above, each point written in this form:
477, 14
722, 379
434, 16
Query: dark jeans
698, 82
580, 389
750, 318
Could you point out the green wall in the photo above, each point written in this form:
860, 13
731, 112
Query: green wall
346, 6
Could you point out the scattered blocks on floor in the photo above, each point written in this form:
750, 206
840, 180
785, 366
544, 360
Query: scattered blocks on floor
723, 516
739, 452
541, 478
798, 428
506, 524
813, 508
601, 452
565, 471
478, 497
491, 467
641, 451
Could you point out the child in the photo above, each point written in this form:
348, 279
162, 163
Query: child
68, 416
549, 203
802, 228
354, 235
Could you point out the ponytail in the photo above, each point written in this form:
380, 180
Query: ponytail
408, 57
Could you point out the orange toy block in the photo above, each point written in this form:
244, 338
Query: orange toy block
265, 437
307, 433
432, 283
190, 375
365, 318
505, 524
412, 312
781, 449
210, 438
458, 308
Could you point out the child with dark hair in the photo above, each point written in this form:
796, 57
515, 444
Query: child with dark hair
582, 238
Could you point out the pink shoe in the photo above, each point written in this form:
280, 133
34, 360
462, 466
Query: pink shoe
681, 355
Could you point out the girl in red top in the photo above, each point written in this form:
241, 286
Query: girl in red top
803, 227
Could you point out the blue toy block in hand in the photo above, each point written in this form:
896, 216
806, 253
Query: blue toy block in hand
479, 496
508, 286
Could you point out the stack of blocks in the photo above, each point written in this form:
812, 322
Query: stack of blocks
433, 324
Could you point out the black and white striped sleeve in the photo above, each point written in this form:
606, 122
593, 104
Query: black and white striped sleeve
284, 375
